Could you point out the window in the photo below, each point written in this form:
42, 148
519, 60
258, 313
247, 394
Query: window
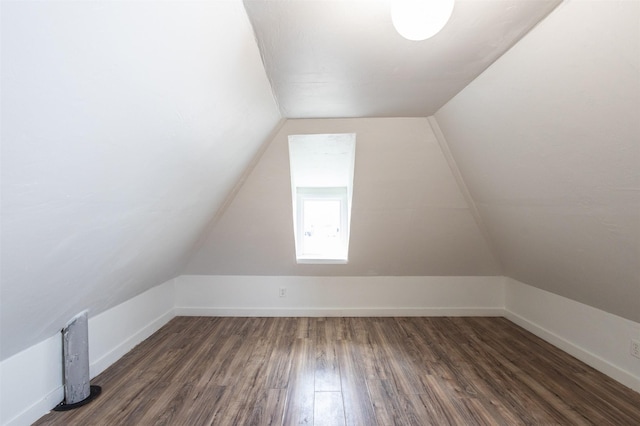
321, 186
322, 218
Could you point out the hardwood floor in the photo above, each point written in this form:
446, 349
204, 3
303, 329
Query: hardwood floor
351, 371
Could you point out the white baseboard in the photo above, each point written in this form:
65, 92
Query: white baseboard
106, 360
340, 312
597, 338
600, 364
115, 332
36, 410
248, 295
31, 382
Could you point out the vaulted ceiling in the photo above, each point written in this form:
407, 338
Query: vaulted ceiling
345, 59
126, 126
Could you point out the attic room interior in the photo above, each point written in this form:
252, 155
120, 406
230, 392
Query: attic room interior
480, 264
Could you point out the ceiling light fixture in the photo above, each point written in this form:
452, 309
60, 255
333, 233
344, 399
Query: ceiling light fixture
420, 19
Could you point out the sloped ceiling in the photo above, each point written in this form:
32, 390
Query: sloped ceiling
126, 124
409, 216
124, 127
345, 59
548, 142
547, 138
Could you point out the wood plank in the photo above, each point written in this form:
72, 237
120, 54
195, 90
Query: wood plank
328, 409
342, 328
403, 369
386, 405
300, 392
203, 407
369, 349
540, 396
414, 371
269, 408
327, 370
357, 404
251, 382
279, 366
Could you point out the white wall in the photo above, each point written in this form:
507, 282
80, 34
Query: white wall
31, 381
596, 337
338, 296
115, 332
409, 216
124, 127
547, 140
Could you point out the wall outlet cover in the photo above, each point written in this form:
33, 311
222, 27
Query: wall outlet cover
635, 348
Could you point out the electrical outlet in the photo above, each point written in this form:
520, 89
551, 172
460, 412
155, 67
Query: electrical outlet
635, 348
282, 292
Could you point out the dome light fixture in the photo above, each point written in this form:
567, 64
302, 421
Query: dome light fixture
420, 19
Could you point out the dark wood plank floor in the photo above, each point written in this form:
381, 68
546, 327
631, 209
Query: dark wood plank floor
351, 371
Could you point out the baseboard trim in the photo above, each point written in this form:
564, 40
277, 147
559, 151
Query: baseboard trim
101, 364
600, 364
38, 409
338, 312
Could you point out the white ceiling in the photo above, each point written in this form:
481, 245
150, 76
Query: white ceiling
344, 58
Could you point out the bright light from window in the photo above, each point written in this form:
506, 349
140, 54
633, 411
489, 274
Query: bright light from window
321, 184
321, 225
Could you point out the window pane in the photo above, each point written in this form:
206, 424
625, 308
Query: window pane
321, 221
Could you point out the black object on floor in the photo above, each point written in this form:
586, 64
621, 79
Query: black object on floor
95, 391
